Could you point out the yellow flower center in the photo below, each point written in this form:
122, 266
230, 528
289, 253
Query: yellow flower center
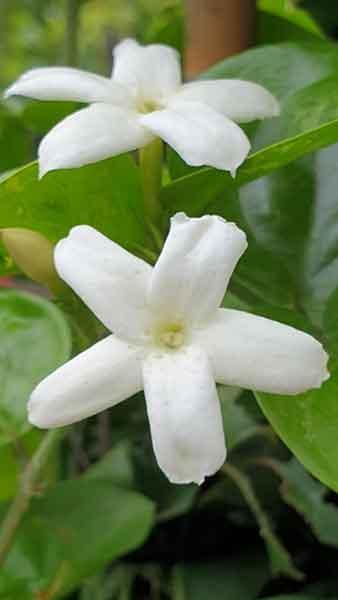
147, 106
170, 335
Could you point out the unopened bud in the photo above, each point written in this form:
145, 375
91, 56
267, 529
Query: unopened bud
33, 254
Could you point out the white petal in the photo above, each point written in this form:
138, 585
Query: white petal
194, 268
110, 280
90, 135
200, 135
152, 72
65, 83
96, 379
256, 353
184, 414
241, 101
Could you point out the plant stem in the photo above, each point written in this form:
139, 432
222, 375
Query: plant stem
151, 157
279, 557
244, 485
27, 489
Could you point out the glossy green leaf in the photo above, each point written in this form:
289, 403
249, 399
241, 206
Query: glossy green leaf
293, 72
325, 12
282, 68
308, 425
316, 103
106, 195
294, 215
73, 532
260, 276
15, 143
206, 184
35, 340
279, 21
236, 577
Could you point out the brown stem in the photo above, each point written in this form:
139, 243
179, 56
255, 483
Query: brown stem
217, 29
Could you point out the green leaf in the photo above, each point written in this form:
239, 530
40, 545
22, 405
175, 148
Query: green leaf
40, 117
307, 497
293, 597
259, 276
236, 577
316, 103
282, 68
205, 185
113, 585
325, 588
307, 423
171, 500
14, 141
116, 466
132, 463
325, 12
35, 340
331, 323
238, 424
106, 195
73, 532
293, 72
293, 214
13, 456
283, 21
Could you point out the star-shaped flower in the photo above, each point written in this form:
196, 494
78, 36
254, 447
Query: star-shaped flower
145, 99
171, 339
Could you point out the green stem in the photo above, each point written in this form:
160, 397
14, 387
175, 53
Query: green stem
244, 485
279, 557
27, 489
151, 157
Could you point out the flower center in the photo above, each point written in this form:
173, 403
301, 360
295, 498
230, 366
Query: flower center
170, 335
147, 106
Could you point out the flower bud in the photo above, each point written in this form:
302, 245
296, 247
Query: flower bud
33, 254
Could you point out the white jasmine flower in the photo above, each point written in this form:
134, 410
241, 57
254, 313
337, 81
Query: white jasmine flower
145, 99
171, 339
